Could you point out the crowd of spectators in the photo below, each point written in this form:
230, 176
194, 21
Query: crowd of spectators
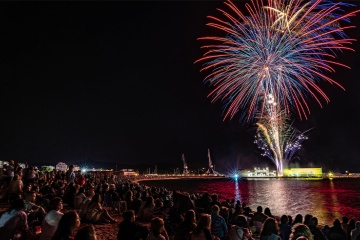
52, 206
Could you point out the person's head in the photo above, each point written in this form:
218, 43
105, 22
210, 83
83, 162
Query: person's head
214, 197
290, 219
86, 233
158, 203
16, 177
81, 190
259, 209
17, 205
71, 167
55, 204
129, 216
307, 219
337, 223
113, 187
215, 209
298, 219
267, 212
156, 225
31, 196
149, 201
269, 227
313, 222
241, 221
106, 187
90, 193
190, 216
67, 224
204, 221
357, 224
284, 219
345, 219
300, 230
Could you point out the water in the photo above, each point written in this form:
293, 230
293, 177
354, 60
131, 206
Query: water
324, 199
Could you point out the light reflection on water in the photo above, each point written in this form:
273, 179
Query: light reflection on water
325, 199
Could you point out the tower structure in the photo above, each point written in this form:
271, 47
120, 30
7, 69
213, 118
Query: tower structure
186, 170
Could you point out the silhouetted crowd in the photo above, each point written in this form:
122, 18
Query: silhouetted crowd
52, 206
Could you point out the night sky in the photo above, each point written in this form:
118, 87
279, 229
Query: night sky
116, 83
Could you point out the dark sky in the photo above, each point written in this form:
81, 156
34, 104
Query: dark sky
116, 82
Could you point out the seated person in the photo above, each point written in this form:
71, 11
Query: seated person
35, 213
52, 219
157, 230
96, 213
13, 223
79, 198
128, 229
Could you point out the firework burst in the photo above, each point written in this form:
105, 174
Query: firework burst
282, 47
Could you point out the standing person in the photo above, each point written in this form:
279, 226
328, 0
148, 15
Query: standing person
202, 229
351, 226
344, 224
157, 230
218, 224
356, 231
70, 174
269, 230
52, 219
30, 175
67, 225
184, 229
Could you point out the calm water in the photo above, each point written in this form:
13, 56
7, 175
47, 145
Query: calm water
325, 199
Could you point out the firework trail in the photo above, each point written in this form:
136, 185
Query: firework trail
283, 48
277, 139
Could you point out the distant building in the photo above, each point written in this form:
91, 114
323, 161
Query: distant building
127, 173
259, 172
61, 167
303, 172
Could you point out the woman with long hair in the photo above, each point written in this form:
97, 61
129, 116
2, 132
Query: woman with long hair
269, 230
146, 211
202, 230
184, 229
67, 225
157, 230
96, 213
300, 230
